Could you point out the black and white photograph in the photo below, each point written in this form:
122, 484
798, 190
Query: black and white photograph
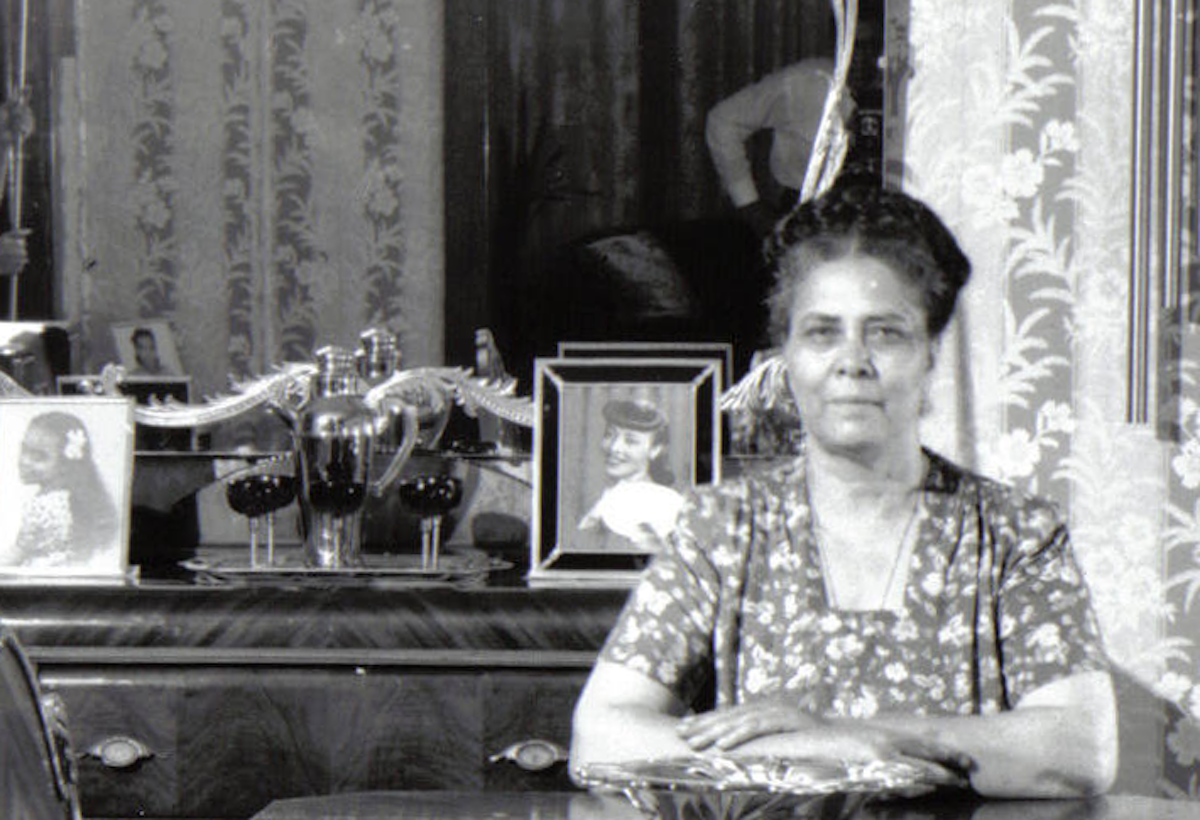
68, 473
602, 409
623, 440
147, 349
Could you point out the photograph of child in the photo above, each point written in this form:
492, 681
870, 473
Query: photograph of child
70, 487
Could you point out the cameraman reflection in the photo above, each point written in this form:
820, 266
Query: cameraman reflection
639, 507
789, 104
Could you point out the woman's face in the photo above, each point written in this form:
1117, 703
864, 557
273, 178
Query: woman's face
39, 456
628, 453
858, 355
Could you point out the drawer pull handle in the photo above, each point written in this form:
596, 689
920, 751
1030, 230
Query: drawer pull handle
120, 752
532, 755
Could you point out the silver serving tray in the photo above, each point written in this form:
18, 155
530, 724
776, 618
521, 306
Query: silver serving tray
226, 566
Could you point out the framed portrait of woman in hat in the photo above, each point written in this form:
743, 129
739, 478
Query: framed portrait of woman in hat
619, 443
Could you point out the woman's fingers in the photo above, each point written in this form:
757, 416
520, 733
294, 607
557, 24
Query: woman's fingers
925, 749
728, 728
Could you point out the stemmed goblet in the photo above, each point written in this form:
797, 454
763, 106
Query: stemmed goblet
431, 496
257, 496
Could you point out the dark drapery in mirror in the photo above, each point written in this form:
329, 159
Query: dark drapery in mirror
572, 122
49, 35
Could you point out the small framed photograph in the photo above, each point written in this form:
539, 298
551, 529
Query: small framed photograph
144, 390
147, 348
68, 484
717, 351
617, 444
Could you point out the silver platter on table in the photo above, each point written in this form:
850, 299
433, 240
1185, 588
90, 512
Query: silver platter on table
463, 565
763, 788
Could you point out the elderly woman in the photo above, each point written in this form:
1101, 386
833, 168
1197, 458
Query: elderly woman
867, 598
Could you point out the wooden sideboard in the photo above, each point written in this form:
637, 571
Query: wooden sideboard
189, 700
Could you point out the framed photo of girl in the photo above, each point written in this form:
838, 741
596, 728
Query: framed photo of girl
617, 445
67, 466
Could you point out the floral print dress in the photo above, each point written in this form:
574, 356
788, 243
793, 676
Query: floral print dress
44, 539
994, 605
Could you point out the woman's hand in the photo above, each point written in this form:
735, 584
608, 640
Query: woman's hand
733, 726
781, 727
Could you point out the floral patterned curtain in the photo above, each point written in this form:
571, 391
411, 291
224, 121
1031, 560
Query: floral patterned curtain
264, 174
1018, 131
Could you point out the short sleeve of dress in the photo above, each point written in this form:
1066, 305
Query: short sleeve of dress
665, 630
1048, 629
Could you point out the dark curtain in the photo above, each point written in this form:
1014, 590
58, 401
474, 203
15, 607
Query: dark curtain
49, 37
596, 107
595, 123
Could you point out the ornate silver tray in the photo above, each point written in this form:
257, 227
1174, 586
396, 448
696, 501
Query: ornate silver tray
763, 788
455, 565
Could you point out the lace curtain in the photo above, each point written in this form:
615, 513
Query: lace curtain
1018, 130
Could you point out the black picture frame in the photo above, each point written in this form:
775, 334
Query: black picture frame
570, 395
721, 352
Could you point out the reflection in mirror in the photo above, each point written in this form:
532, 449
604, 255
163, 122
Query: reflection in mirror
582, 199
33, 36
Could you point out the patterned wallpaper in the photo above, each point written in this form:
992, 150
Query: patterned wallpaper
1018, 130
264, 175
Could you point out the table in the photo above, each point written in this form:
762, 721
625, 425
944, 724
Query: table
585, 806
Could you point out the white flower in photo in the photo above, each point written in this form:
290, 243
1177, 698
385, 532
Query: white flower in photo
76, 441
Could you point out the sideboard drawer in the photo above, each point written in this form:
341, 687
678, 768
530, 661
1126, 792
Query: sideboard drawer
531, 711
226, 741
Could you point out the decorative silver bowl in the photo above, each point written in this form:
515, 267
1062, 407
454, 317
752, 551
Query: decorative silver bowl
763, 788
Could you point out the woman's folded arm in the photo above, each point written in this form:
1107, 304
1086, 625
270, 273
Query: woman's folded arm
1060, 740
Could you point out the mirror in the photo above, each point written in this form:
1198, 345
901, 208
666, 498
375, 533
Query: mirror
563, 121
573, 124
